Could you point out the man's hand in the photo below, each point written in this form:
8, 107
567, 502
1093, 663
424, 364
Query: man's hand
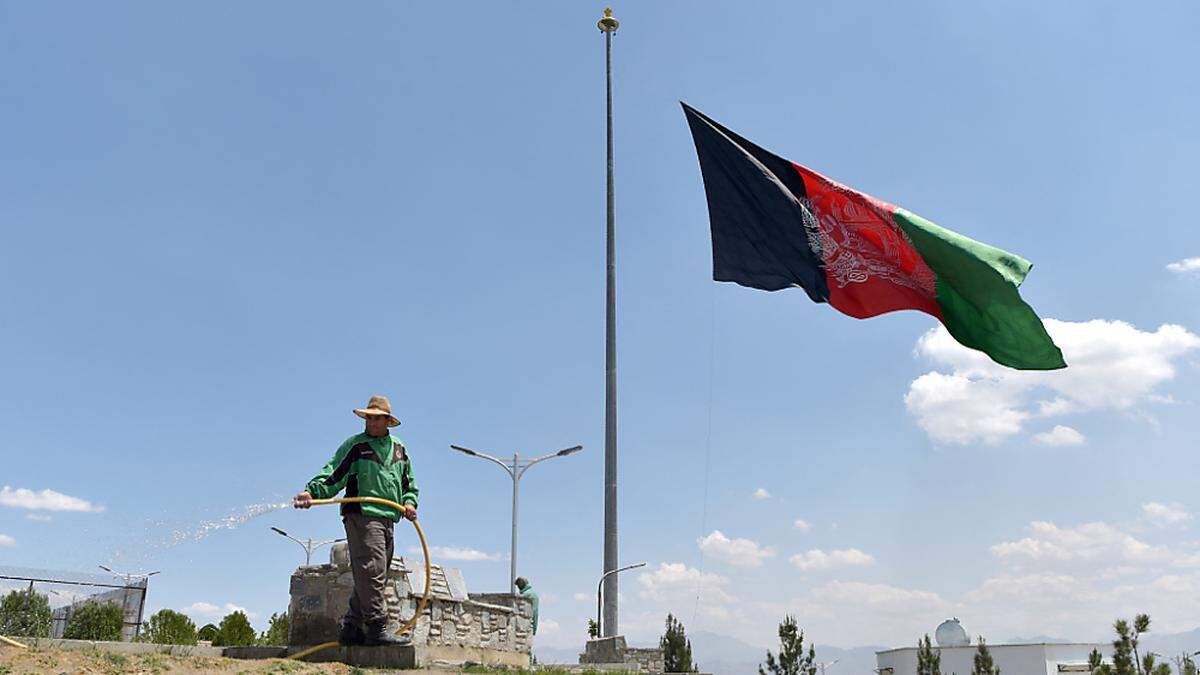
302, 500
410, 512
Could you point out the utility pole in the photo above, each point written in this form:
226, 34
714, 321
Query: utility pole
308, 546
129, 577
515, 469
826, 664
608, 25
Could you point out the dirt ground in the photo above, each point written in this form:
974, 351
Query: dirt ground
95, 662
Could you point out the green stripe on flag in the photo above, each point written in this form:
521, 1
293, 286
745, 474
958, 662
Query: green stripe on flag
977, 290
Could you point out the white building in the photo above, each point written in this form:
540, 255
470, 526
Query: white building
958, 656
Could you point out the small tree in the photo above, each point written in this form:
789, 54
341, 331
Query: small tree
168, 627
25, 614
1126, 660
1184, 665
1151, 667
983, 660
593, 629
929, 660
208, 633
277, 631
95, 621
792, 659
235, 631
677, 649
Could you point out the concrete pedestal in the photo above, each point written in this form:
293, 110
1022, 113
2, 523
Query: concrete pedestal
604, 650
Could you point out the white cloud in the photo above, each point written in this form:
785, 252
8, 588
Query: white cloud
761, 493
1186, 265
1111, 366
1036, 587
207, 610
736, 552
1164, 515
1069, 604
675, 579
1060, 436
802, 525
1093, 542
456, 553
41, 517
701, 598
958, 409
855, 613
1067, 581
202, 609
857, 593
45, 500
583, 597
6, 540
817, 560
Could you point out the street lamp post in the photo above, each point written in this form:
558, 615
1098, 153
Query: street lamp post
129, 577
309, 546
515, 468
825, 665
600, 593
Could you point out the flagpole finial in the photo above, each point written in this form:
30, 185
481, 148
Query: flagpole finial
608, 24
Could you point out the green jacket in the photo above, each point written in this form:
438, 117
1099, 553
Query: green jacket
368, 467
533, 597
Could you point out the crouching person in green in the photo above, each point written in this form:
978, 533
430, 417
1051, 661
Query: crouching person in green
370, 464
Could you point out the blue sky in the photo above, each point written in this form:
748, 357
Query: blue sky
223, 226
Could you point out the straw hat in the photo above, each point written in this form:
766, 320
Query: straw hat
378, 405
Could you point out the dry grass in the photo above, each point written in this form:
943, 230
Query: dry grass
95, 662
39, 661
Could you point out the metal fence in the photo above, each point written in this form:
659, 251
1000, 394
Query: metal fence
65, 592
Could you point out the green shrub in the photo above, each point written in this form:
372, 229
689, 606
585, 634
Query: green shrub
25, 614
235, 631
95, 621
207, 633
277, 631
168, 627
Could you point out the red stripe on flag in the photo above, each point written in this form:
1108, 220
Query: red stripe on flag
870, 266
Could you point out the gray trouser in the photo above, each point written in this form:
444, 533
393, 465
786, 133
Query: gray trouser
369, 539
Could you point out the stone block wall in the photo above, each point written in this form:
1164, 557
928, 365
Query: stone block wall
320, 595
648, 659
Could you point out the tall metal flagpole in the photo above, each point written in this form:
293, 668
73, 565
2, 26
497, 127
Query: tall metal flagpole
608, 25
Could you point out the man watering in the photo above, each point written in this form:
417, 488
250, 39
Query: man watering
371, 464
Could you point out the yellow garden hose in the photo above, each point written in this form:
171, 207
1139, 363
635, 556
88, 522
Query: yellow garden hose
12, 642
424, 550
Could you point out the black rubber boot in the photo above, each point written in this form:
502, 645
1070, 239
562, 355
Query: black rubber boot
378, 635
351, 634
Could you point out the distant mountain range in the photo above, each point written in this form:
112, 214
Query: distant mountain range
1171, 644
723, 655
1035, 640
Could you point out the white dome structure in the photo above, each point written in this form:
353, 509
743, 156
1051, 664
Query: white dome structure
951, 634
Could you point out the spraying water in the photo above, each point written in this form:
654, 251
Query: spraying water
198, 531
144, 543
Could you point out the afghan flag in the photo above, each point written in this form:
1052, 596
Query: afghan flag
776, 224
